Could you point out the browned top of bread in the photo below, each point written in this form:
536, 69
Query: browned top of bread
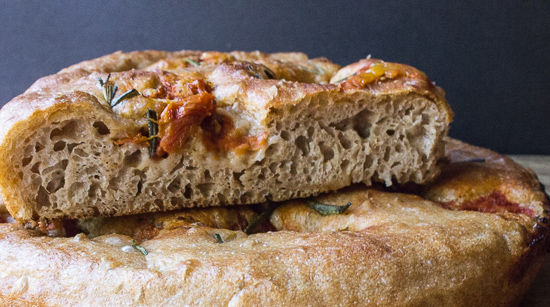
260, 82
388, 248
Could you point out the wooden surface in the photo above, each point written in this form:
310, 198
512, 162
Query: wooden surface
539, 295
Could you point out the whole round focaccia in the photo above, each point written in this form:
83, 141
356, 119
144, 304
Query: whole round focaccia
153, 131
475, 237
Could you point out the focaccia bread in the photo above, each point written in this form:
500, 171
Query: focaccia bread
386, 249
156, 131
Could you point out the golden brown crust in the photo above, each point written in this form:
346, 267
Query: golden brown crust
486, 181
386, 249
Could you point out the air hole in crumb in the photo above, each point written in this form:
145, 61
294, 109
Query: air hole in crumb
310, 131
26, 161
139, 187
67, 131
285, 135
102, 129
38, 147
71, 146
368, 162
178, 166
205, 188
237, 177
175, 185
344, 165
361, 123
273, 149
176, 202
246, 198
344, 141
293, 170
302, 144
95, 211
81, 152
390, 132
92, 192
222, 198
59, 146
160, 204
36, 168
387, 154
56, 184
133, 159
42, 199
207, 176
188, 192
326, 151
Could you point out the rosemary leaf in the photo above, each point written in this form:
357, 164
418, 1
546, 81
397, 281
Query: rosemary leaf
153, 128
218, 238
264, 216
127, 95
325, 209
194, 63
344, 79
311, 70
139, 248
319, 69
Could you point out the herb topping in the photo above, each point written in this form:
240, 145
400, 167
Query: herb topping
325, 209
153, 127
109, 92
194, 63
139, 248
218, 238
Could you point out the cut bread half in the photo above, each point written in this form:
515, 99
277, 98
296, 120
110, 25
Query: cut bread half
155, 131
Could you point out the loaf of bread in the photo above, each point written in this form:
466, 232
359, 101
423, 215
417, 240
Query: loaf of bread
153, 131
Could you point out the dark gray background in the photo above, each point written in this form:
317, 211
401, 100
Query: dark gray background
491, 57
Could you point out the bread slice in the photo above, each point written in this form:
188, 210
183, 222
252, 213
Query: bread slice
230, 128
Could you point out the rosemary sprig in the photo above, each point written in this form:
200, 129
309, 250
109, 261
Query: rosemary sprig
325, 209
109, 90
139, 248
218, 238
194, 63
344, 79
101, 82
127, 95
153, 128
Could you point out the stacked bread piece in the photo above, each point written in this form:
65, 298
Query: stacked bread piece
114, 156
